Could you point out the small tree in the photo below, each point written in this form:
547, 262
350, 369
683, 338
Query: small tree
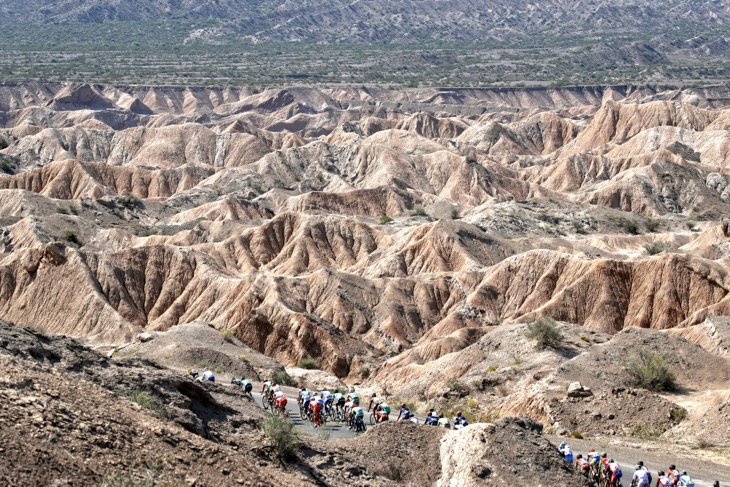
280, 431
454, 214
545, 332
650, 371
385, 219
281, 377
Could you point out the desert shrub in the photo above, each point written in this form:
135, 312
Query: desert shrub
545, 332
228, 335
307, 363
280, 431
654, 248
385, 219
7, 165
419, 211
70, 236
650, 371
148, 401
492, 368
648, 432
457, 386
678, 414
547, 218
61, 210
242, 357
651, 225
630, 226
3, 143
454, 214
575, 434
129, 201
691, 226
281, 377
579, 227
585, 338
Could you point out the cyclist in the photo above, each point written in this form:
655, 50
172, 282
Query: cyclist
374, 401
642, 477
664, 480
460, 421
280, 402
673, 473
266, 386
685, 480
356, 418
432, 418
317, 405
207, 376
404, 414
382, 412
339, 402
614, 472
566, 451
581, 464
193, 374
443, 422
303, 396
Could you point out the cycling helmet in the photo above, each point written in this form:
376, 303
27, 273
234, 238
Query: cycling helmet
592, 450
374, 395
458, 413
579, 456
660, 473
603, 455
441, 415
403, 405
684, 473
641, 463
672, 467
610, 460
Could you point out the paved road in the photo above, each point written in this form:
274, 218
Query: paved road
336, 429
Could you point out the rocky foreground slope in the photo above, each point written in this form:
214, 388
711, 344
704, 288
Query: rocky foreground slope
72, 417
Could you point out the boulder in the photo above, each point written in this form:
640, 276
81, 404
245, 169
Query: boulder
575, 389
145, 337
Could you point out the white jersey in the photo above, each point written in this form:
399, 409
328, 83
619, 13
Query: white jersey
276, 388
641, 475
278, 394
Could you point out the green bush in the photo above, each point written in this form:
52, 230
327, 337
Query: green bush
458, 387
308, 363
651, 225
454, 214
650, 371
630, 226
148, 401
61, 210
575, 434
648, 432
385, 219
678, 414
281, 377
545, 332
129, 201
70, 236
656, 247
691, 226
228, 335
280, 431
419, 211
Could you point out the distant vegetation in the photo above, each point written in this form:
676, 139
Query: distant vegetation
282, 378
545, 332
308, 363
649, 370
656, 247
